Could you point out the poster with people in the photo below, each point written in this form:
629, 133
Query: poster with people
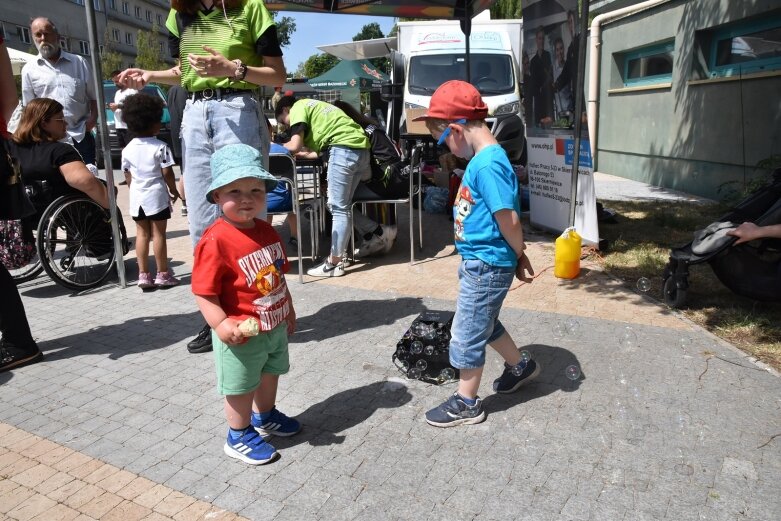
549, 64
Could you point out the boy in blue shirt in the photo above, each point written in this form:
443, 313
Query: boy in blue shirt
489, 237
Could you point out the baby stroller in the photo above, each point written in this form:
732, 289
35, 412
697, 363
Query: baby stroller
751, 269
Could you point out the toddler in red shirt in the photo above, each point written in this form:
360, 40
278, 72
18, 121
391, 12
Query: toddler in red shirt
239, 279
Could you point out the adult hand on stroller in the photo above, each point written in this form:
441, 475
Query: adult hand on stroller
524, 266
749, 231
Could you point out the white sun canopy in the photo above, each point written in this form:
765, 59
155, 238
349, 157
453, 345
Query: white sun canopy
361, 50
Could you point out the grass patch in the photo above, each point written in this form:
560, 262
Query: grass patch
639, 245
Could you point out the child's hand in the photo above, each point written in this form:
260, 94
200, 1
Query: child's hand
291, 322
228, 332
524, 266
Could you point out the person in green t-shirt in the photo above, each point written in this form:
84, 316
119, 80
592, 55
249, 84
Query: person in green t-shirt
318, 125
226, 48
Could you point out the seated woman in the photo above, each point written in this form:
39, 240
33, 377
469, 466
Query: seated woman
36, 146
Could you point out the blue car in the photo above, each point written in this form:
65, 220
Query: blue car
109, 89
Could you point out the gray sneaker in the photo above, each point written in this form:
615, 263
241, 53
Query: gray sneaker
370, 246
454, 411
326, 269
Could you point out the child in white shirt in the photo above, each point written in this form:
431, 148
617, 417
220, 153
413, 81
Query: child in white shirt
147, 163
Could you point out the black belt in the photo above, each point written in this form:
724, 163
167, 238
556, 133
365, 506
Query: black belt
217, 93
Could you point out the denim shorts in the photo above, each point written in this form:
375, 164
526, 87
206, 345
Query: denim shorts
481, 292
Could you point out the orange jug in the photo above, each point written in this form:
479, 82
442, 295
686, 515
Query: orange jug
567, 257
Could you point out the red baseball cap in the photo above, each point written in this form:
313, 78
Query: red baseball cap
455, 99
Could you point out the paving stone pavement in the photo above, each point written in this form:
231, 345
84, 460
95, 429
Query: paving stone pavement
120, 422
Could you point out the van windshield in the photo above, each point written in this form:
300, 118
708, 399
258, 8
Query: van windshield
492, 74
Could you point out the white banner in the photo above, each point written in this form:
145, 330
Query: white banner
550, 186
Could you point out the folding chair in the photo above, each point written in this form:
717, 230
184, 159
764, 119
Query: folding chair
414, 168
283, 167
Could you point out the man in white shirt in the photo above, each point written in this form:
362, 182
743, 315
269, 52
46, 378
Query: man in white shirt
66, 78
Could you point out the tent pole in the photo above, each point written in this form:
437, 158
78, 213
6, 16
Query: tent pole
578, 110
92, 29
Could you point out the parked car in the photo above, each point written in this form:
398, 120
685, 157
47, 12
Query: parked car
109, 89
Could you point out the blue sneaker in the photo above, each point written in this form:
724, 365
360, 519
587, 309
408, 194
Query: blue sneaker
277, 424
454, 411
509, 382
250, 448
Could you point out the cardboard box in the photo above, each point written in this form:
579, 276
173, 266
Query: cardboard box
416, 127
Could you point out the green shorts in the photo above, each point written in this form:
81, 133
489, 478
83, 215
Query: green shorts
239, 367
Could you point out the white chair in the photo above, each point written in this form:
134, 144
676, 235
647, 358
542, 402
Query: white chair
414, 169
283, 167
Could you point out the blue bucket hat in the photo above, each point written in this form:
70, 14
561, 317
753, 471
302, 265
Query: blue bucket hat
233, 162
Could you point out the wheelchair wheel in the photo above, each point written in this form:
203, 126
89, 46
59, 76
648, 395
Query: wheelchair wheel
33, 268
75, 242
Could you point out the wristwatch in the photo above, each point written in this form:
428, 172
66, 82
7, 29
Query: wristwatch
241, 71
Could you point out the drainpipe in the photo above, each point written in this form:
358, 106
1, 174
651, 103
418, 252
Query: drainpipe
594, 63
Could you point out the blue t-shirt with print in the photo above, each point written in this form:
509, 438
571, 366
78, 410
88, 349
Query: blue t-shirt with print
489, 185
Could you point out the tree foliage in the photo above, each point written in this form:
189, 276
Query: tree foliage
506, 9
110, 59
286, 26
148, 56
318, 64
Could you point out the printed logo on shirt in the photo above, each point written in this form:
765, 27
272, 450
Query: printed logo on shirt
463, 207
263, 271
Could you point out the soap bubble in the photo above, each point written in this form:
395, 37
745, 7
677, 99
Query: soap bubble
414, 373
517, 369
572, 326
526, 356
572, 372
428, 350
627, 339
421, 364
417, 347
643, 284
559, 330
448, 373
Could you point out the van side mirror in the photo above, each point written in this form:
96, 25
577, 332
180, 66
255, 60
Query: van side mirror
390, 92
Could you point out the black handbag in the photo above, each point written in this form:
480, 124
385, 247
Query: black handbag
14, 202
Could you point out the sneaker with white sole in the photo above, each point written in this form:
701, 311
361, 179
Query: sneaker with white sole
166, 279
250, 448
326, 269
370, 246
388, 237
455, 411
145, 280
276, 424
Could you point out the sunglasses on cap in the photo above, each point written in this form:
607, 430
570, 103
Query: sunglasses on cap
446, 133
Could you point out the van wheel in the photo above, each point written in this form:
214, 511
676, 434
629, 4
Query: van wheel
674, 296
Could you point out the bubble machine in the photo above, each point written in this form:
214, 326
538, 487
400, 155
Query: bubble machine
423, 351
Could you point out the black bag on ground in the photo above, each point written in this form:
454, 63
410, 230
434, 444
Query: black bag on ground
423, 351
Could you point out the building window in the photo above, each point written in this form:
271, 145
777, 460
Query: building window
112, 4
64, 44
160, 20
23, 33
745, 47
100, 49
115, 35
137, 10
2, 31
162, 47
648, 65
96, 5
129, 38
83, 47
149, 16
125, 8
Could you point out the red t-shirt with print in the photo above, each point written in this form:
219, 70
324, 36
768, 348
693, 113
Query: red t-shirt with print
245, 268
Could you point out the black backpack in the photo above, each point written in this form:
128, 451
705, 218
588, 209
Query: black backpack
390, 175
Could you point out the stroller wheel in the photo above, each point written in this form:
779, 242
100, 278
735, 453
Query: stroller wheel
674, 296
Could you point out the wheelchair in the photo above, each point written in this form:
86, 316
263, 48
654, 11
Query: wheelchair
73, 238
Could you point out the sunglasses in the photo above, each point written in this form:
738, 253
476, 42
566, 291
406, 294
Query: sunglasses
446, 133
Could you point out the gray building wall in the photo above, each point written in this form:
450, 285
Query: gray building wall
699, 134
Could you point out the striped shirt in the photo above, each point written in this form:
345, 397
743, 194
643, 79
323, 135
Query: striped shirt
234, 37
